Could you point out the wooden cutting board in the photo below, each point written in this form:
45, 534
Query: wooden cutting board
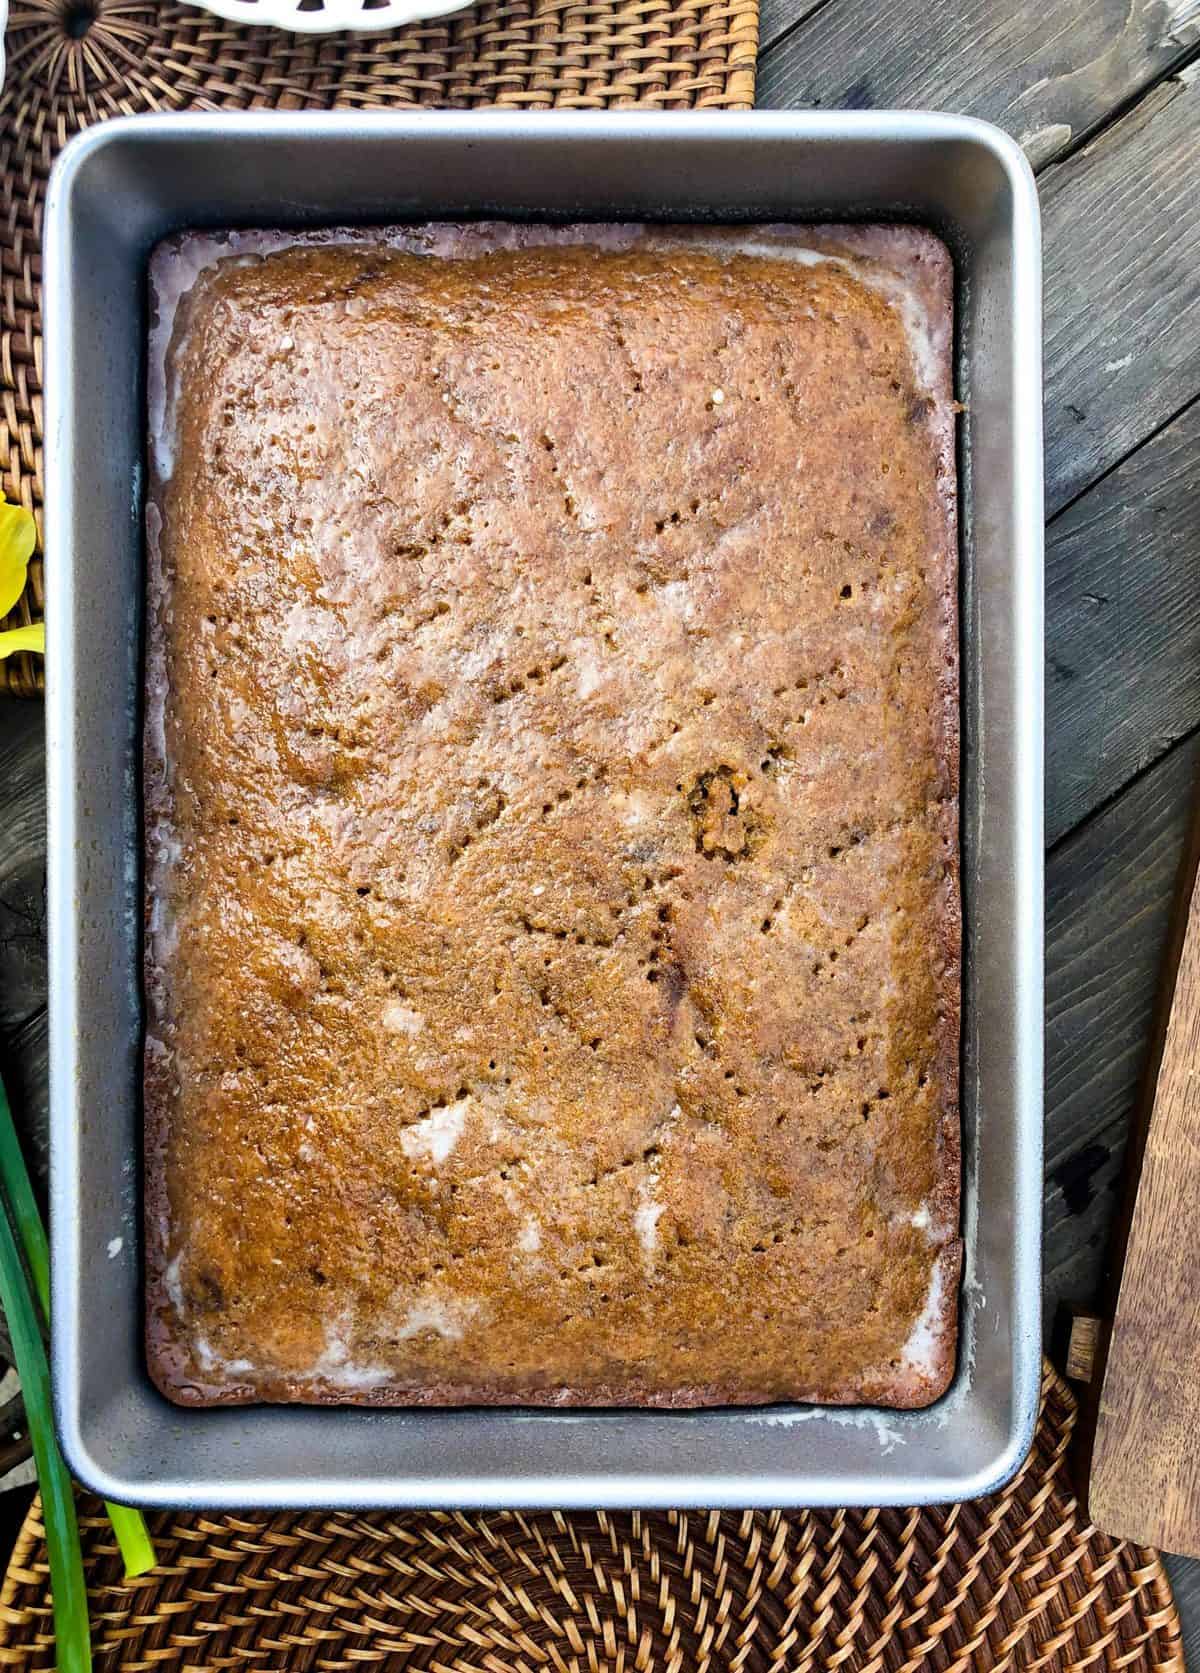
1145, 1459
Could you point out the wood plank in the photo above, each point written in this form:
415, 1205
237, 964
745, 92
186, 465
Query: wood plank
1185, 1583
1083, 1347
1122, 625
26, 1065
786, 16
1109, 893
25, 1059
1122, 228
22, 863
1144, 1482
1110, 890
1049, 74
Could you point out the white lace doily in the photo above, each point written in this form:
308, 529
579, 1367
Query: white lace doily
321, 17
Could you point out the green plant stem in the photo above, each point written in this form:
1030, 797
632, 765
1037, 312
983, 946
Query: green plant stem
133, 1537
72, 1635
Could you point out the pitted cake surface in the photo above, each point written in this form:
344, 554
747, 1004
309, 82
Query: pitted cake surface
552, 954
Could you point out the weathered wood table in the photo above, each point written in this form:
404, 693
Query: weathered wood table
1105, 97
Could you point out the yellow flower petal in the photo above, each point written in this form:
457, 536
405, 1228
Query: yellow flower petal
24, 639
18, 536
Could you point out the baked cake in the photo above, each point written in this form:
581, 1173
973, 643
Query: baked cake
553, 929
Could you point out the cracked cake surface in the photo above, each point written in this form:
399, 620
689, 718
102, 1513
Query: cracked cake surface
551, 792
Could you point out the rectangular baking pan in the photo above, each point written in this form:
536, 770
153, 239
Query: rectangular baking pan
118, 189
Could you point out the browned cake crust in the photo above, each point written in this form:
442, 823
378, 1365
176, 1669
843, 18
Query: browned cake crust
551, 771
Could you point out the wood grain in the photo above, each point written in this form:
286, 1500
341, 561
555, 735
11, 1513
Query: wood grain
26, 1066
1086, 1330
24, 1058
1145, 1470
22, 863
1049, 73
1122, 625
1109, 894
1122, 231
786, 17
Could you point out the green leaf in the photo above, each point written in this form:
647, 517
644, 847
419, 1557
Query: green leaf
18, 537
31, 638
72, 1636
133, 1538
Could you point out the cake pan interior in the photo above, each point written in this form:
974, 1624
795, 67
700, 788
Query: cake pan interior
120, 188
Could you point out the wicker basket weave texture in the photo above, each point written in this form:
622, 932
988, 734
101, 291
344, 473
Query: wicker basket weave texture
1016, 1581
133, 57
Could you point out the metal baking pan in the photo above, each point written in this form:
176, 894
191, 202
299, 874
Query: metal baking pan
117, 190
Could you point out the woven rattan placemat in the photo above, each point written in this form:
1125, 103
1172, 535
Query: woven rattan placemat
1015, 1581
74, 62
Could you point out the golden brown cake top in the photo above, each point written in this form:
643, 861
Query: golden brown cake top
553, 930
